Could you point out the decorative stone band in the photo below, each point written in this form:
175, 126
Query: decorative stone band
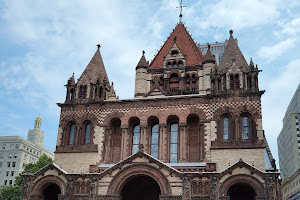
169, 197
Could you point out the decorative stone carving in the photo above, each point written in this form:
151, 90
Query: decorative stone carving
214, 188
186, 188
169, 197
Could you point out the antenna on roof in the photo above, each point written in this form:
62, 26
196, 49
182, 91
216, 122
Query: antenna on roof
180, 15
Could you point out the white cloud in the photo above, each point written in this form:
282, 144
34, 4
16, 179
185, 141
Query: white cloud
270, 53
291, 28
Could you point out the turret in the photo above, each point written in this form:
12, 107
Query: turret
70, 96
208, 65
141, 77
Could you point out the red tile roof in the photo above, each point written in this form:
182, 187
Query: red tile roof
186, 45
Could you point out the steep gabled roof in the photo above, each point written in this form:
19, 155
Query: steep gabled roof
184, 42
232, 54
95, 69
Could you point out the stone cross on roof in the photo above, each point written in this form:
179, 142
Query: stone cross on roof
180, 15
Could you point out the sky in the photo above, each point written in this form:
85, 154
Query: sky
43, 42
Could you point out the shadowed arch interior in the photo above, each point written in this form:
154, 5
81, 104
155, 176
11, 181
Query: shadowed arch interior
51, 192
241, 191
141, 187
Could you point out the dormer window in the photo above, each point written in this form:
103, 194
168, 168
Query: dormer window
169, 65
179, 64
174, 53
174, 64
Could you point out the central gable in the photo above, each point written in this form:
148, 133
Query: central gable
185, 43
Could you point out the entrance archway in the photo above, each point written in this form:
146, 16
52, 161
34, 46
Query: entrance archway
241, 191
51, 192
141, 187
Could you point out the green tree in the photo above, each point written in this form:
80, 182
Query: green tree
13, 192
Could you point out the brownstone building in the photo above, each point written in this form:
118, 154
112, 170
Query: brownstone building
193, 131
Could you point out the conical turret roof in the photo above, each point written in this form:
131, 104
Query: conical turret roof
232, 54
95, 69
142, 63
184, 42
209, 58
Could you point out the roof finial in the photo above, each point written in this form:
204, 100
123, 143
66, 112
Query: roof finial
98, 45
230, 32
143, 52
180, 15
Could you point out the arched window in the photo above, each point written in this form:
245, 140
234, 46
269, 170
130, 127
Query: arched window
136, 139
245, 128
72, 134
169, 65
174, 64
179, 64
154, 141
225, 128
87, 134
174, 143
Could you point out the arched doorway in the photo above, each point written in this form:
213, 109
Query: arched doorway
51, 192
241, 191
141, 187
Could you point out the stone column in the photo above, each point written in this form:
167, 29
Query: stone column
143, 137
124, 142
162, 142
182, 142
107, 145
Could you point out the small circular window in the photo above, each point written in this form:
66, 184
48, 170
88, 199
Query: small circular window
174, 53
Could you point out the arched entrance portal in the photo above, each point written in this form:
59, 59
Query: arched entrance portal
51, 192
241, 191
141, 187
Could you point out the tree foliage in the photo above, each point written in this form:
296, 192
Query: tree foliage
13, 192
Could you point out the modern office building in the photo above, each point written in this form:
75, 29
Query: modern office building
15, 152
217, 49
289, 149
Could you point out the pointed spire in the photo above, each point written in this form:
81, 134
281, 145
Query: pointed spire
209, 58
142, 63
71, 80
95, 69
232, 54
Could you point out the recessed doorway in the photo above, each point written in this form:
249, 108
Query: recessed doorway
141, 188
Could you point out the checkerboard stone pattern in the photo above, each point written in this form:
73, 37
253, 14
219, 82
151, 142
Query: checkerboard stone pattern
209, 109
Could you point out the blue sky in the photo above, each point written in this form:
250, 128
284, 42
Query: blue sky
43, 42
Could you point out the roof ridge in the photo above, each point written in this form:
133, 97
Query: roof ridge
162, 46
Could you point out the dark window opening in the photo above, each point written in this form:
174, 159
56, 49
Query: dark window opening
174, 53
82, 92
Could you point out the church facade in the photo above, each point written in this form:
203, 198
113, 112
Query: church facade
193, 131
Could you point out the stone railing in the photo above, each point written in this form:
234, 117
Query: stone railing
169, 197
224, 198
